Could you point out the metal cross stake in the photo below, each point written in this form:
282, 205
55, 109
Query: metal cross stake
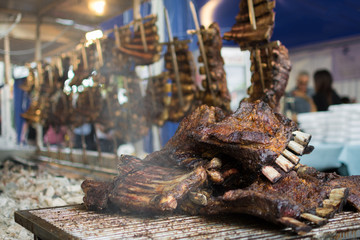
117, 36
259, 64
202, 48
252, 13
84, 56
138, 22
174, 60
99, 52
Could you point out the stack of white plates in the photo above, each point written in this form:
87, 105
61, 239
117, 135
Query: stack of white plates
341, 124
314, 124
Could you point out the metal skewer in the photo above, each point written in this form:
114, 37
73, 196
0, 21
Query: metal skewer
117, 36
202, 48
138, 21
252, 14
99, 51
174, 60
84, 57
258, 61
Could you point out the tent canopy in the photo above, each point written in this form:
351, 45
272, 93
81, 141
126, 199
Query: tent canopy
297, 22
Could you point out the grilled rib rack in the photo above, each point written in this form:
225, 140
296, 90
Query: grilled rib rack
75, 222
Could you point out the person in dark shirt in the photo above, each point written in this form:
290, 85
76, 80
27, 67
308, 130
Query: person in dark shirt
325, 95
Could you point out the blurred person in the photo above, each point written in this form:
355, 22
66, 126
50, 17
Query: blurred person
55, 136
28, 134
86, 131
325, 95
299, 100
105, 138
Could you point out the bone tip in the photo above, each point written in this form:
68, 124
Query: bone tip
284, 163
296, 147
271, 173
313, 218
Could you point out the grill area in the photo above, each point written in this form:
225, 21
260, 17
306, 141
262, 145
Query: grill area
74, 222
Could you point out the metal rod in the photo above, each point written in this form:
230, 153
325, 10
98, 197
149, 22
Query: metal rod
83, 145
74, 60
174, 60
99, 51
154, 129
258, 61
51, 76
117, 36
202, 48
252, 14
137, 15
143, 37
84, 57
70, 136
59, 66
112, 117
97, 140
129, 111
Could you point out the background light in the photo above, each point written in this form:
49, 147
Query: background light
91, 36
97, 6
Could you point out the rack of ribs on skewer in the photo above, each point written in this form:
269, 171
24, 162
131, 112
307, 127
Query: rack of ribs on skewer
121, 60
270, 67
83, 64
134, 47
35, 112
243, 31
29, 82
188, 89
60, 110
42, 86
131, 123
158, 98
111, 111
270, 64
88, 106
213, 44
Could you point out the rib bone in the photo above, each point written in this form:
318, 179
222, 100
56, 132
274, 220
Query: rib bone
299, 227
198, 198
215, 163
313, 218
285, 164
296, 147
337, 193
271, 173
334, 204
302, 138
325, 212
215, 176
292, 157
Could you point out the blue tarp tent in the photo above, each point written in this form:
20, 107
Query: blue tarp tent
297, 22
300, 22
